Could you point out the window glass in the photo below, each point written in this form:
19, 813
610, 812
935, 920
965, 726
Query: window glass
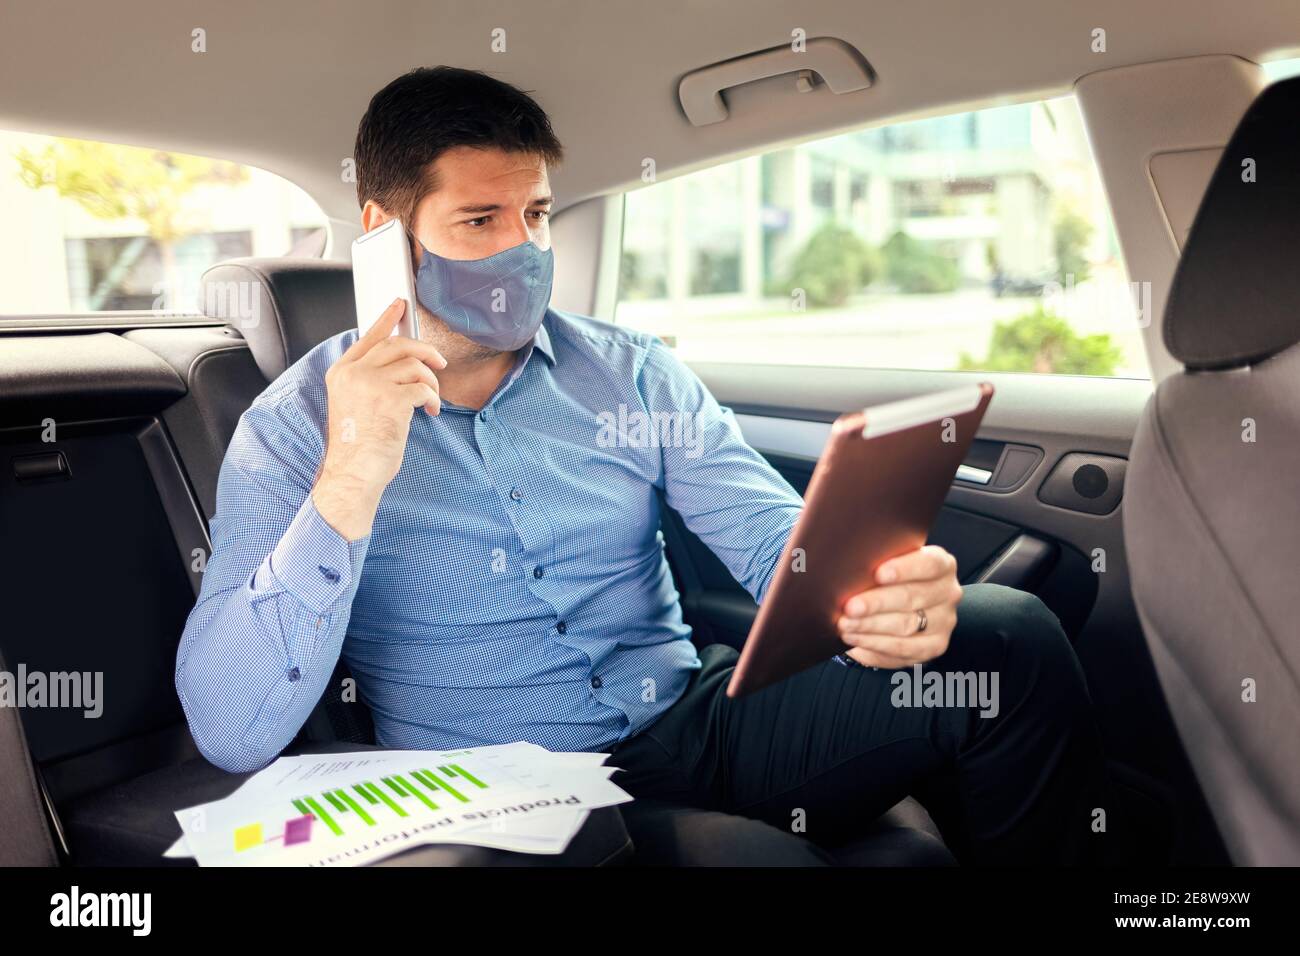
1282, 69
95, 227
979, 240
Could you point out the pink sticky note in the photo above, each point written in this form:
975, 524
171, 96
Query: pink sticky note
297, 830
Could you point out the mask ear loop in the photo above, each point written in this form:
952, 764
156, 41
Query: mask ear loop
416, 248
417, 259
416, 243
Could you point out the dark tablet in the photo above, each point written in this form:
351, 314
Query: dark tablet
874, 494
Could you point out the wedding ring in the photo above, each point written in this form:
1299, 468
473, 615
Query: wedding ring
922, 622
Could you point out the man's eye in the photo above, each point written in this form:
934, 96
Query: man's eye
480, 221
541, 214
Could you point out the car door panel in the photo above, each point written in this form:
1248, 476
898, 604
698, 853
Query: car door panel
1000, 529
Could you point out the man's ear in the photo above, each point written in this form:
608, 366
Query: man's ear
373, 216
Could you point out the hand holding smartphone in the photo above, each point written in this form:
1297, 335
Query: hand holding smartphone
373, 390
381, 272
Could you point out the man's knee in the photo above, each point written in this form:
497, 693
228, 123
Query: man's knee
1015, 633
993, 614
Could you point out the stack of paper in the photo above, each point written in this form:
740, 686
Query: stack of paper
353, 808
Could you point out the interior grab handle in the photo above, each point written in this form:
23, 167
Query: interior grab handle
839, 65
1022, 564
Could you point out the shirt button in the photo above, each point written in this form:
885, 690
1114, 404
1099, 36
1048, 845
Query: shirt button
562, 627
483, 415
330, 574
516, 494
595, 682
294, 674
538, 572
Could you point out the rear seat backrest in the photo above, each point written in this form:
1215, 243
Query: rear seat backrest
222, 380
276, 311
283, 307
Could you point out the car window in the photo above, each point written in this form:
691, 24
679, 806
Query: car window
977, 240
1281, 69
94, 227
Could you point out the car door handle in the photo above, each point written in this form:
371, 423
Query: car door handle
979, 476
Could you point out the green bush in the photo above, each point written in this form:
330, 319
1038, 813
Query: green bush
715, 272
1071, 233
915, 268
635, 283
832, 265
1042, 341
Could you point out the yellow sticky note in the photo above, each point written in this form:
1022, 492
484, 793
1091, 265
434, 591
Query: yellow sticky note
249, 836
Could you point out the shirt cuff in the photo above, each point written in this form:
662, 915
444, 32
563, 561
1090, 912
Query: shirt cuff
315, 563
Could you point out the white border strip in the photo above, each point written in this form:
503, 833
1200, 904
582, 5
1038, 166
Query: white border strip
910, 412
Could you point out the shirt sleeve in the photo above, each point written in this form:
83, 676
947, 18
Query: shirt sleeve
265, 635
725, 491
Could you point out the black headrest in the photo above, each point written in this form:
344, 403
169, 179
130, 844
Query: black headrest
283, 307
1236, 295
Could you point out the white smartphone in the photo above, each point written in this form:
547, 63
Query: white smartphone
381, 272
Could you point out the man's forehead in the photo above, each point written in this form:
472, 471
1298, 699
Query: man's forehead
465, 172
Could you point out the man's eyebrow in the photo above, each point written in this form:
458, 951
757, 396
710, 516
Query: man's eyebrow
483, 208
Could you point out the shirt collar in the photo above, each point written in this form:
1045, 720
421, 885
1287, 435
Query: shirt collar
542, 340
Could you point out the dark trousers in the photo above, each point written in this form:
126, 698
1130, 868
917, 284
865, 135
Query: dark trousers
810, 762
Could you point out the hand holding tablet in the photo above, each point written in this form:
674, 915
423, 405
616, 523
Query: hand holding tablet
873, 496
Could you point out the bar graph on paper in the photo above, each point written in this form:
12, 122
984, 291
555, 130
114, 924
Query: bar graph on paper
340, 811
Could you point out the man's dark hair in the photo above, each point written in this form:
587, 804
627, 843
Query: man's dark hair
422, 114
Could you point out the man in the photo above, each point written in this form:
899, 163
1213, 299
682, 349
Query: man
449, 504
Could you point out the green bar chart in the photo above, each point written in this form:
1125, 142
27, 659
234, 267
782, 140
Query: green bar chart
372, 803
351, 809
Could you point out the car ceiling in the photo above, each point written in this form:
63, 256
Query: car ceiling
283, 84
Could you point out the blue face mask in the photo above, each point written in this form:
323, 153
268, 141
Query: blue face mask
498, 302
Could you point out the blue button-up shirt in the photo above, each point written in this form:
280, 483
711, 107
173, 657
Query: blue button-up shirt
514, 584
